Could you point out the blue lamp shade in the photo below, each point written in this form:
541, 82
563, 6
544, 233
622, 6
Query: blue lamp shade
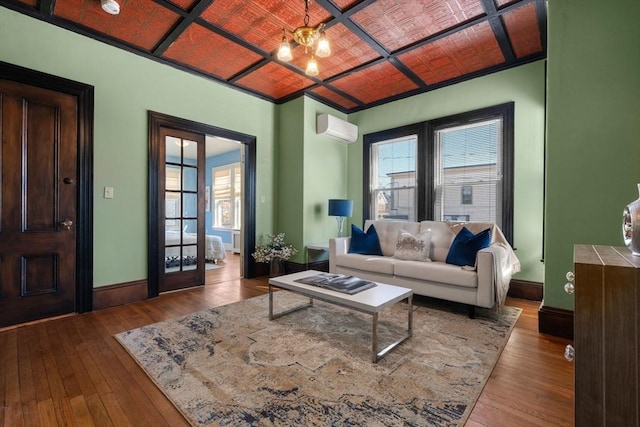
340, 207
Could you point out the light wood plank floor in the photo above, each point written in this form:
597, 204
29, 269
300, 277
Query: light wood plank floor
70, 371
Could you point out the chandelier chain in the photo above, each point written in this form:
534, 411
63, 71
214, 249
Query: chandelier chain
306, 13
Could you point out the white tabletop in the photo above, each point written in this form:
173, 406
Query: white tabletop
370, 300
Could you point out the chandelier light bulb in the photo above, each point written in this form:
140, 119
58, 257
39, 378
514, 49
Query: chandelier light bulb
284, 52
323, 50
312, 67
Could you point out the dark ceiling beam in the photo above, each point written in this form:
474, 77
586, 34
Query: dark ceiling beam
344, 94
181, 26
172, 7
46, 7
237, 40
499, 30
541, 14
407, 72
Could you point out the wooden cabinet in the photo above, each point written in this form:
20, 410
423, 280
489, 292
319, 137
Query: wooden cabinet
607, 336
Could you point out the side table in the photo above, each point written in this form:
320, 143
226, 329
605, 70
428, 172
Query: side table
319, 247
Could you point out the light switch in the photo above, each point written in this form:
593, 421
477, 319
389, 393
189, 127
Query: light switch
108, 192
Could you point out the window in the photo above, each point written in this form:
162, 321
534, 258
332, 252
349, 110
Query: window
393, 178
227, 196
456, 168
468, 159
467, 195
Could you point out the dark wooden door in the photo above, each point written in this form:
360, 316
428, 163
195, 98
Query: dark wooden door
181, 227
38, 203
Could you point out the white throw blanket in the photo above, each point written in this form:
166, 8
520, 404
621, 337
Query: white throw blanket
505, 261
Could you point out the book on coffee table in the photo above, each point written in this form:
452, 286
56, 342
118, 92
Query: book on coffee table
338, 282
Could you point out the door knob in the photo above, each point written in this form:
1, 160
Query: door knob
67, 223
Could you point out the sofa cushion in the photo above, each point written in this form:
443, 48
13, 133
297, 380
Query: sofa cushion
388, 232
436, 272
364, 243
441, 238
466, 245
413, 248
370, 263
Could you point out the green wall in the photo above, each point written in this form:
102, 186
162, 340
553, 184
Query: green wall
290, 160
126, 87
593, 129
524, 85
311, 169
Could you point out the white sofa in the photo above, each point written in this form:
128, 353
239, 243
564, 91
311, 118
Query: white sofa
483, 286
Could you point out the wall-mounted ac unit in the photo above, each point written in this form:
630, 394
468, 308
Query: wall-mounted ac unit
326, 124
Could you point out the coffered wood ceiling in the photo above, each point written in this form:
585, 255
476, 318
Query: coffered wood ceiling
381, 50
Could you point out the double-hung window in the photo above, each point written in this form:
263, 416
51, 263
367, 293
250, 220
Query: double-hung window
227, 196
393, 178
468, 172
456, 168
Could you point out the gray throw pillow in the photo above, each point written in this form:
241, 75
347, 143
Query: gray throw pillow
413, 248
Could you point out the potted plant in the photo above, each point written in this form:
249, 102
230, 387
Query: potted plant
275, 252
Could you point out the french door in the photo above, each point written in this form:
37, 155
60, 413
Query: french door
177, 229
181, 190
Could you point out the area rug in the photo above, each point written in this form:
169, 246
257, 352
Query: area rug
231, 366
211, 266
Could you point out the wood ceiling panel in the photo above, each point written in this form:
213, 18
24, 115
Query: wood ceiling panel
472, 49
522, 27
184, 4
142, 23
375, 83
207, 51
334, 97
347, 51
274, 81
260, 22
396, 24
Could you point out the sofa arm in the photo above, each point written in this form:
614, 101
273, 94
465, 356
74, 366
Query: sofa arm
494, 275
486, 281
337, 246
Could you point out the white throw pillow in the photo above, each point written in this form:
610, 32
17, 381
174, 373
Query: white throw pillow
413, 248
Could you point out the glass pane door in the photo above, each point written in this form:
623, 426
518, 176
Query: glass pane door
181, 202
181, 229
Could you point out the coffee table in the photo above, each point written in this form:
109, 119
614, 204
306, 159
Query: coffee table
371, 301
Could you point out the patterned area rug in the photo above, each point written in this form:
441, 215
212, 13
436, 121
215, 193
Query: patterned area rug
230, 365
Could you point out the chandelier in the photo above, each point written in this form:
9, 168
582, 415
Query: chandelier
306, 36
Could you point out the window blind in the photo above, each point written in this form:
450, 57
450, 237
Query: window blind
468, 158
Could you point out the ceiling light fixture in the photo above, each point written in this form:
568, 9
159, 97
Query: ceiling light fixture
110, 6
306, 36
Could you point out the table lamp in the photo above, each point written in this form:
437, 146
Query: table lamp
340, 208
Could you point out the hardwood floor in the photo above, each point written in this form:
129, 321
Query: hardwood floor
70, 371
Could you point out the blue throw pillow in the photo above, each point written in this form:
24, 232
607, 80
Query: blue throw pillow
466, 245
364, 243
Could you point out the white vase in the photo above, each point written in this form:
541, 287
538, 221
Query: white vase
631, 225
